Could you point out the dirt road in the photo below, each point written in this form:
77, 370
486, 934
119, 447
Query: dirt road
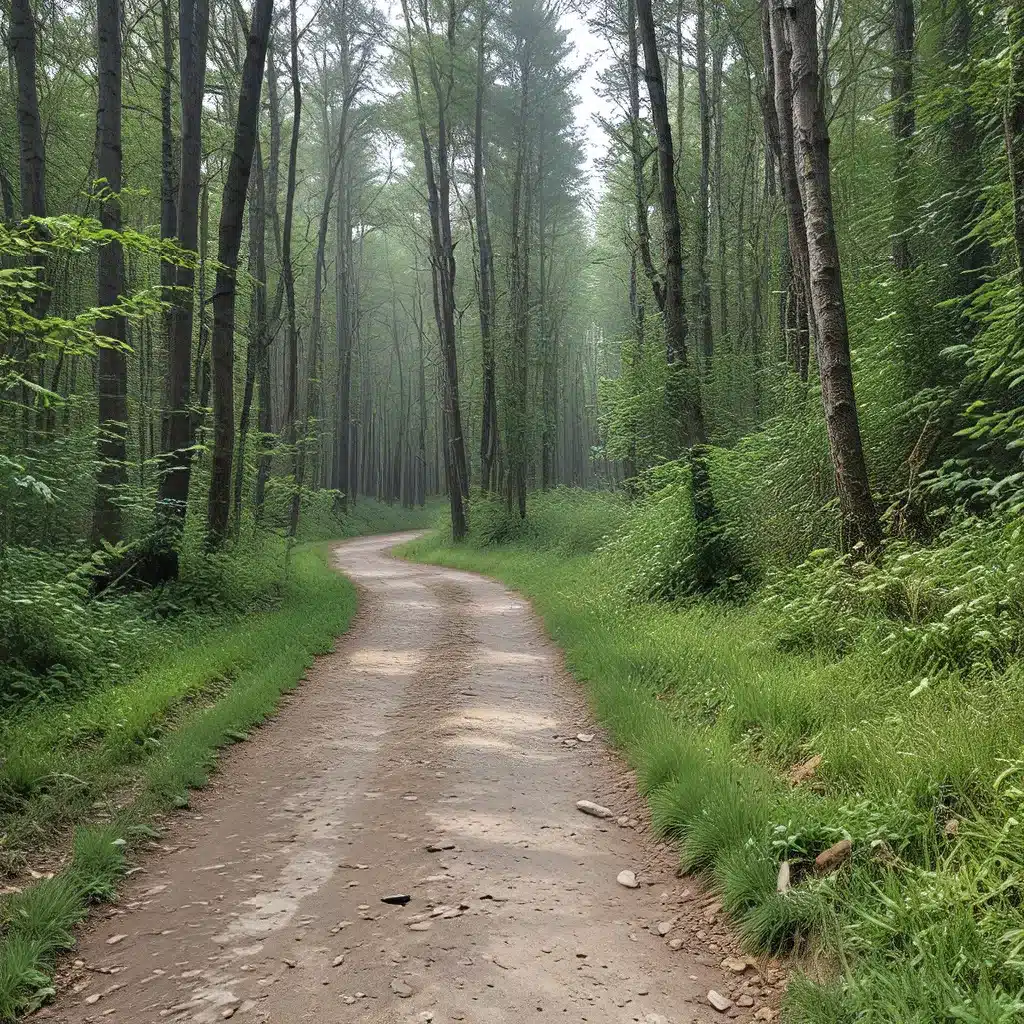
425, 758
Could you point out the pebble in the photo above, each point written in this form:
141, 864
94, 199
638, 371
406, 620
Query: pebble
675, 944
735, 965
400, 988
440, 846
115, 939
766, 1013
594, 810
744, 1000
584, 737
627, 879
664, 927
719, 1002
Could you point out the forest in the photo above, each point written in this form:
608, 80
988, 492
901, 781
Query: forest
698, 322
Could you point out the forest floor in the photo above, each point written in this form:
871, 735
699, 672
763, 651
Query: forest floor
433, 755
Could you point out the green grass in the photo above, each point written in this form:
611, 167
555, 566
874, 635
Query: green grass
918, 926
83, 778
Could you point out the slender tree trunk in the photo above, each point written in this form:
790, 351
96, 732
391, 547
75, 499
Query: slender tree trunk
487, 301
168, 184
707, 344
112, 372
443, 264
291, 405
638, 156
232, 218
861, 525
193, 30
903, 126
778, 56
32, 154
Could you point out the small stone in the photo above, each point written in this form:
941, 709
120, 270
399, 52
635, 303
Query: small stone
115, 939
735, 965
288, 963
719, 1002
94, 998
229, 1012
397, 900
584, 737
627, 879
348, 1000
782, 883
766, 1013
664, 927
833, 856
951, 828
622, 822
338, 960
594, 810
712, 912
419, 926
745, 1000
675, 944
440, 846
401, 989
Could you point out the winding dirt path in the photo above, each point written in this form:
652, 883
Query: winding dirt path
438, 722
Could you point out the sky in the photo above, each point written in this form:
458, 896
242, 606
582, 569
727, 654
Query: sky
589, 50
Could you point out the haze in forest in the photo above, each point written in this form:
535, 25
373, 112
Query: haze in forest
697, 322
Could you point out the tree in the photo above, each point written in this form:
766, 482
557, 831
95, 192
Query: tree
442, 257
486, 298
810, 128
903, 126
232, 216
112, 368
193, 35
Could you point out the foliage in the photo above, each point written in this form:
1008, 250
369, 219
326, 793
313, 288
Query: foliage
902, 673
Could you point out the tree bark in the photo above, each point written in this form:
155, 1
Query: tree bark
112, 372
707, 342
487, 300
229, 239
778, 58
443, 264
193, 32
903, 127
288, 270
643, 230
860, 519
32, 154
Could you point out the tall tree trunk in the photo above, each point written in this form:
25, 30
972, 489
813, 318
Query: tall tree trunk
343, 454
317, 318
778, 57
112, 372
258, 327
1014, 121
707, 344
232, 218
32, 155
443, 265
291, 404
860, 519
638, 156
903, 126
193, 31
489, 416
168, 183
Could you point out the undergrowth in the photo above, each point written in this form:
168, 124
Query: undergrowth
903, 674
84, 770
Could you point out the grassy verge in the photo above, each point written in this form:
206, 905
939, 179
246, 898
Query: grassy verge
922, 922
83, 778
